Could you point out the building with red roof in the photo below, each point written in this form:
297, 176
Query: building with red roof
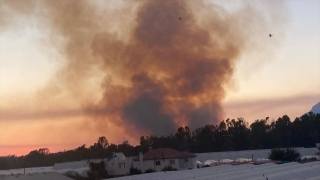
157, 159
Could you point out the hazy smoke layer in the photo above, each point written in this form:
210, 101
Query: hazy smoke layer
160, 72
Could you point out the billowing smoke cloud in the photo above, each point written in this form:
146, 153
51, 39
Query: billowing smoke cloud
172, 76
159, 72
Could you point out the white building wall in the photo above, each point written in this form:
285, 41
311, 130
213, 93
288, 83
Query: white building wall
192, 164
148, 165
187, 163
151, 164
136, 164
115, 167
166, 162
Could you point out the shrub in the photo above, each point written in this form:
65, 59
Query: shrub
134, 171
150, 171
287, 154
168, 168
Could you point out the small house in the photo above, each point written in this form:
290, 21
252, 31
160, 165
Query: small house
118, 165
159, 158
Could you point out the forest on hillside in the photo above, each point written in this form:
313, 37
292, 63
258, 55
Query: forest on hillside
229, 135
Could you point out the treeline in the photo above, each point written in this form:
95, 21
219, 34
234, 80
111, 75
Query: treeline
43, 157
229, 135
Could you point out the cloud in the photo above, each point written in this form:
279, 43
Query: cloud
157, 72
294, 106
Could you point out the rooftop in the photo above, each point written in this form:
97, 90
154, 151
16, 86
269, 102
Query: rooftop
165, 153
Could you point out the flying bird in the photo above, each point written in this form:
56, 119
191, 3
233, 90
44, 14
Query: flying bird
270, 35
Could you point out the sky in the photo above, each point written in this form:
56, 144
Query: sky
65, 82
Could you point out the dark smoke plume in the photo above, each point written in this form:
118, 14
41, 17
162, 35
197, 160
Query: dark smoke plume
159, 72
172, 76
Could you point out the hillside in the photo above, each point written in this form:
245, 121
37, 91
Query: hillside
316, 108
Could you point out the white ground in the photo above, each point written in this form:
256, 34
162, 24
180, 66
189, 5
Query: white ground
288, 171
36, 176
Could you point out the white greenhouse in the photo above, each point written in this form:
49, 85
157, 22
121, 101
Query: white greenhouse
270, 171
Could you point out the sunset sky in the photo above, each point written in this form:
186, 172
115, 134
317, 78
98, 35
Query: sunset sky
68, 78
